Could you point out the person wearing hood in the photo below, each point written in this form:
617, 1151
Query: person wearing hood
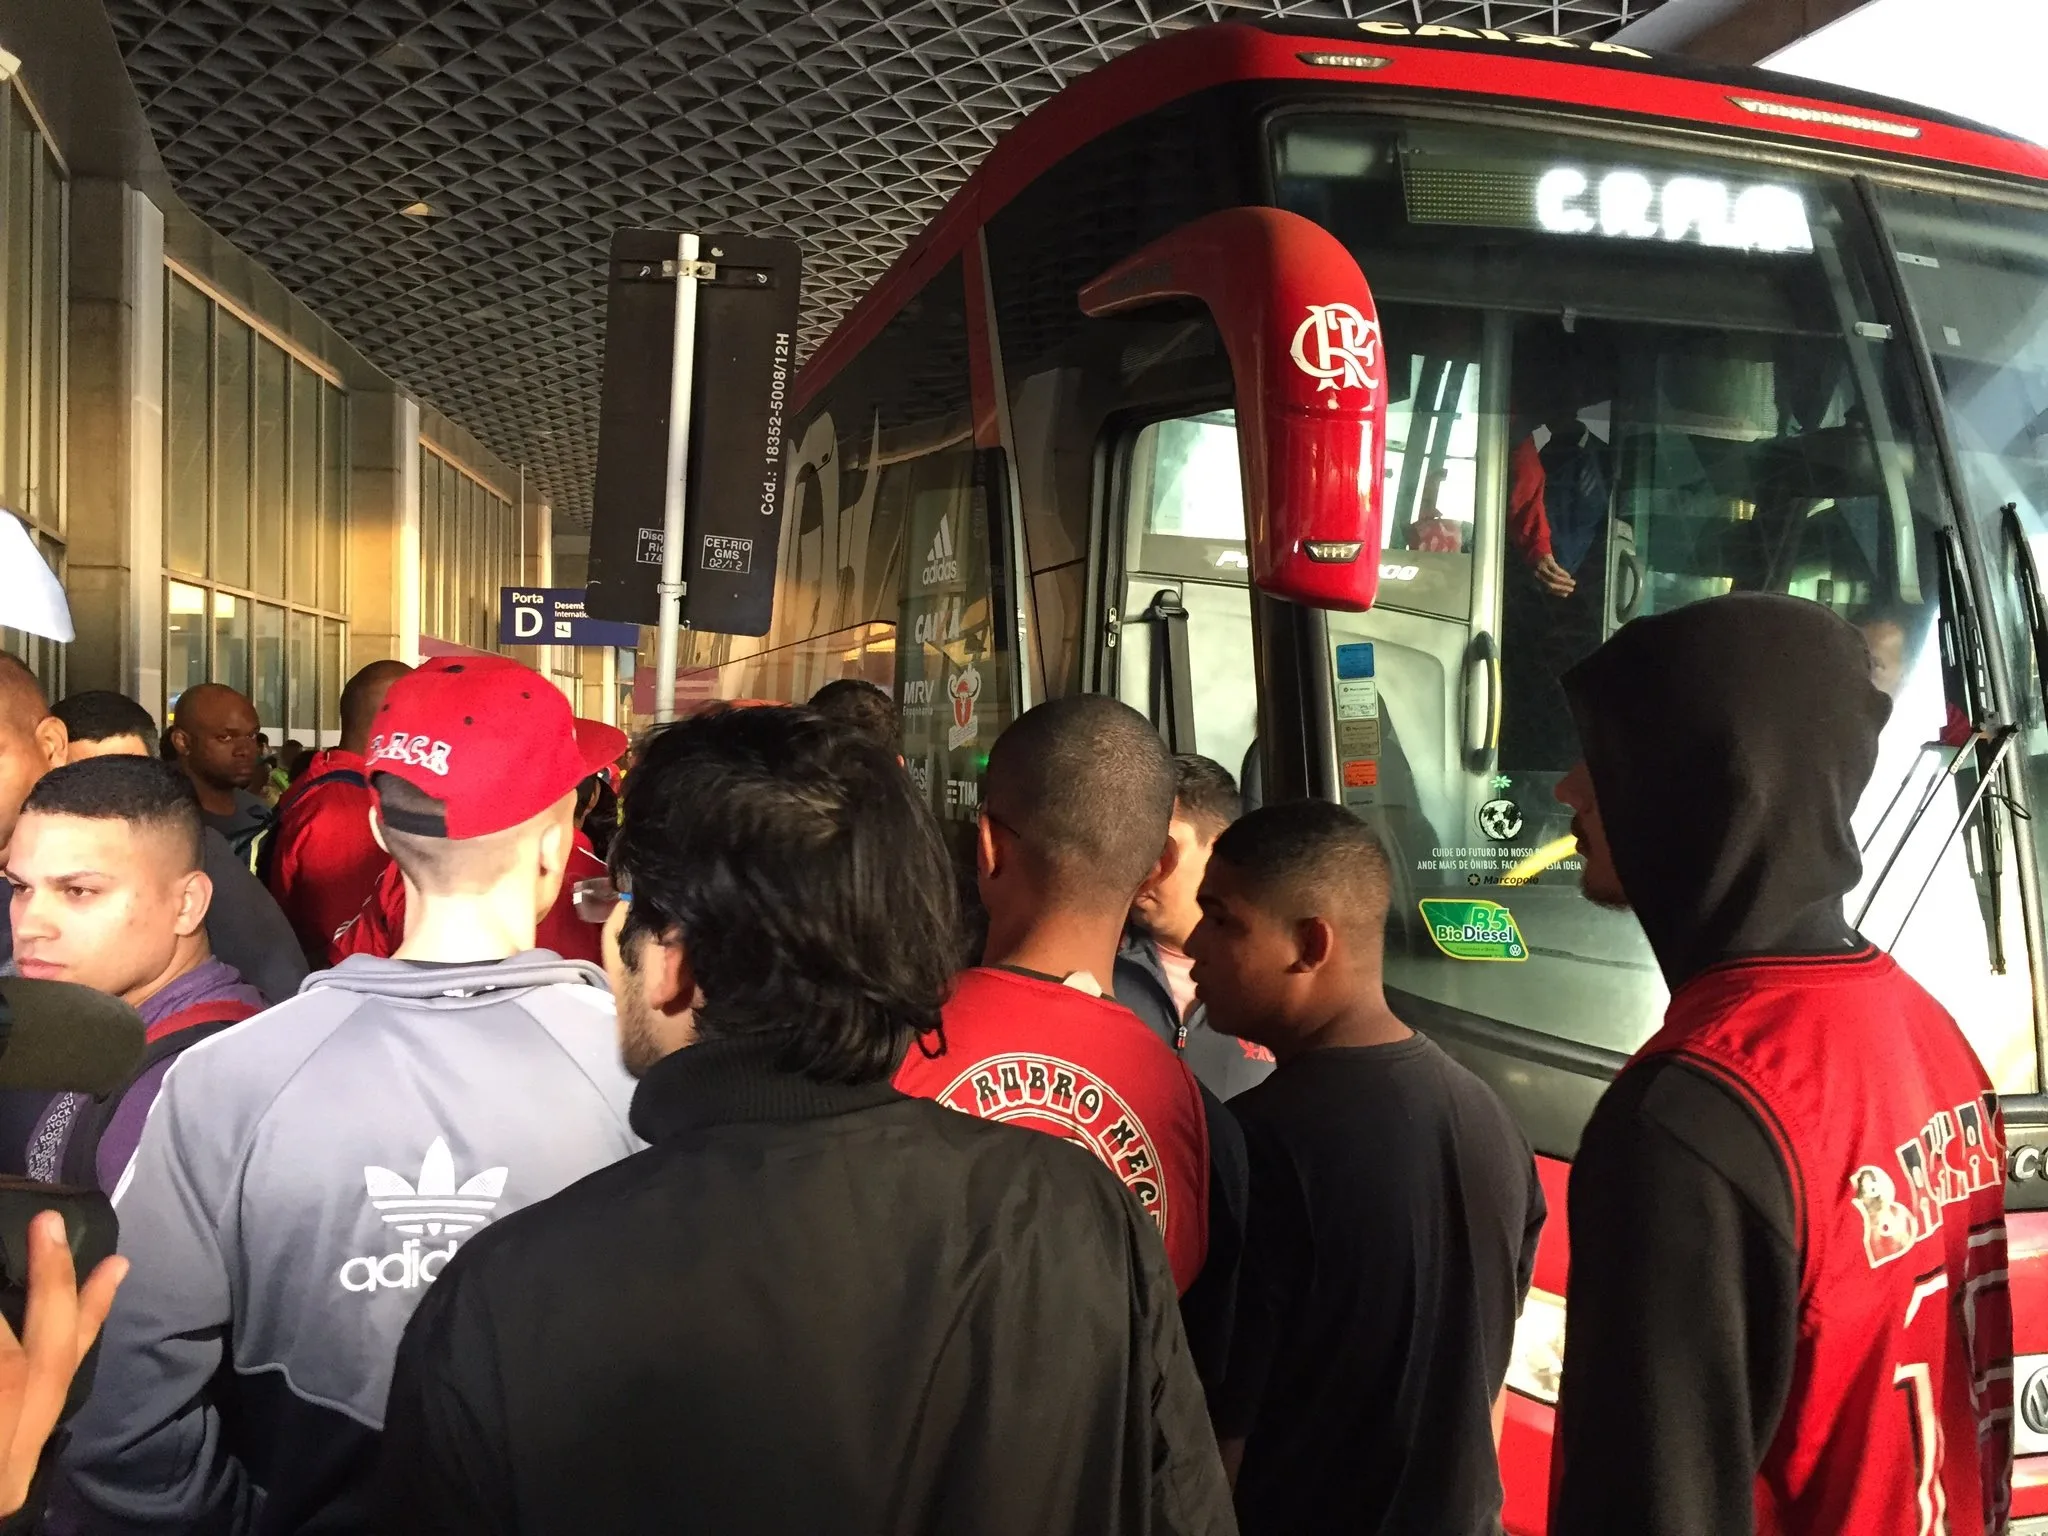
304, 1177
1787, 1308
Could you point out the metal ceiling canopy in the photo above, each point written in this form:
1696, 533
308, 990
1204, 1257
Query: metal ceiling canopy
439, 179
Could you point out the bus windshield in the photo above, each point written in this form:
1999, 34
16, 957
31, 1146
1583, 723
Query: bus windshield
1623, 379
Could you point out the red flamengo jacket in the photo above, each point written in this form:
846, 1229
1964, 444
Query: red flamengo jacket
1899, 1420
379, 926
324, 861
1039, 1054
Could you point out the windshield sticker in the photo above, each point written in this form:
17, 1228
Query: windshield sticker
1561, 854
1358, 699
1500, 820
1358, 738
1474, 930
1361, 773
1354, 661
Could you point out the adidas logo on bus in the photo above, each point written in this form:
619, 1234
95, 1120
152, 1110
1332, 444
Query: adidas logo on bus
433, 1206
941, 561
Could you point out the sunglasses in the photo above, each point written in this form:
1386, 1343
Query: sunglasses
594, 899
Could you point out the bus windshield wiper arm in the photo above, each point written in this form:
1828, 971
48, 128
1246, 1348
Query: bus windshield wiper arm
1999, 738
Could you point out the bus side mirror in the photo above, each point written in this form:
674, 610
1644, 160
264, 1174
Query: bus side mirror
1303, 337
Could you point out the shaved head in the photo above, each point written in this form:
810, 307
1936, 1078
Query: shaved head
1086, 786
22, 702
32, 741
1308, 858
214, 729
362, 698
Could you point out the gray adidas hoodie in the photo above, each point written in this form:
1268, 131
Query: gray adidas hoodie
301, 1179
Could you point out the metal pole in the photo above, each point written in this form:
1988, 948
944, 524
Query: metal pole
668, 633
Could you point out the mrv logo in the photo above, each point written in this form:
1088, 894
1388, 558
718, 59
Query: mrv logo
433, 1207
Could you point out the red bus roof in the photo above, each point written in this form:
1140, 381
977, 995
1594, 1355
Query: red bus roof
1462, 61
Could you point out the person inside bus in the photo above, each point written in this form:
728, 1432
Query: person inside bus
1756, 1337
1395, 1205
1559, 485
1074, 822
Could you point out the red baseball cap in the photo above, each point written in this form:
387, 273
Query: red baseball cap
493, 741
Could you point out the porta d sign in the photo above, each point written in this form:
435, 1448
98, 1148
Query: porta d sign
554, 616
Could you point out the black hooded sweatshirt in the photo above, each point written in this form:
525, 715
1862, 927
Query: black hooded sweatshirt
1728, 742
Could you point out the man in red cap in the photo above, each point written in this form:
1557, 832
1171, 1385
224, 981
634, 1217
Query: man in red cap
377, 926
341, 1147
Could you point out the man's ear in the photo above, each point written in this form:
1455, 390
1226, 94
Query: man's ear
53, 738
377, 827
180, 740
194, 900
1162, 871
1315, 944
988, 858
666, 973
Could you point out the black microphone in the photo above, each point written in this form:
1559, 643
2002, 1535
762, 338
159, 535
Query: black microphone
55, 1036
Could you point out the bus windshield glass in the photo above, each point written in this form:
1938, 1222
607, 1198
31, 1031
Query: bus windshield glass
1623, 379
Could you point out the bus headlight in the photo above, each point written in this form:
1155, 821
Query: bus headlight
1536, 1363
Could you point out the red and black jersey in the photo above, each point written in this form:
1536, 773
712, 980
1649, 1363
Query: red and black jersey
1898, 1420
1034, 1052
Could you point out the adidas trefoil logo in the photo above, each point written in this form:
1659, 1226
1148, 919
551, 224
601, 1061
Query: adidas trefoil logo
941, 561
434, 1205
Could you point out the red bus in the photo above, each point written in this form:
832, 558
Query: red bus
1209, 390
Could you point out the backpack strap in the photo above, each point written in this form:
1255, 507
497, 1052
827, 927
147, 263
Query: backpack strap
263, 847
164, 1039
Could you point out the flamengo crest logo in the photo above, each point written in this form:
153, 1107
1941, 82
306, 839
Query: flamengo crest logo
965, 692
1339, 346
433, 1206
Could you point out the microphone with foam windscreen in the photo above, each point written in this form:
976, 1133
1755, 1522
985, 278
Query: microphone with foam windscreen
58, 1038
55, 1036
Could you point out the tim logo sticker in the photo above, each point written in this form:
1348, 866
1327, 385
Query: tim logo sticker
735, 557
1339, 346
647, 546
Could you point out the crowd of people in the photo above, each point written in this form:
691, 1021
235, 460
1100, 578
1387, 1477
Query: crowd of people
696, 1186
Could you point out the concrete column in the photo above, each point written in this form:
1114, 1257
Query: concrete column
114, 569
384, 528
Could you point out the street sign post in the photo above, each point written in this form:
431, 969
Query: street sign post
556, 616
700, 336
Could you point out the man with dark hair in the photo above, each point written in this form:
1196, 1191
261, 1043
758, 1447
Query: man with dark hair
213, 738
322, 861
101, 721
1154, 974
860, 705
827, 1307
32, 742
1788, 1307
1074, 818
344, 1145
1394, 1211
243, 925
108, 894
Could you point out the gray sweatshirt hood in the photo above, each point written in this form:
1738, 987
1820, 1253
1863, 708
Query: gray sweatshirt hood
424, 981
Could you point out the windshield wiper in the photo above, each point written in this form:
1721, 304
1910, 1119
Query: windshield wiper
1998, 741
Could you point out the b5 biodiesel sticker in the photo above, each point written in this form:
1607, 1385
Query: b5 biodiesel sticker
1474, 930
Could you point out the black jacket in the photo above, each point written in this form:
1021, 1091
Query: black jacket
1220, 1063
806, 1309
1728, 742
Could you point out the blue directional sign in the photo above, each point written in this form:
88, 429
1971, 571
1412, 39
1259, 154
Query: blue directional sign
554, 616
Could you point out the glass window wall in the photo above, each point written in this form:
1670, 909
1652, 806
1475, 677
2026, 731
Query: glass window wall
255, 516
469, 548
34, 237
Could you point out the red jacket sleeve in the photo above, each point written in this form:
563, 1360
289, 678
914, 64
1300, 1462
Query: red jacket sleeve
1528, 524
